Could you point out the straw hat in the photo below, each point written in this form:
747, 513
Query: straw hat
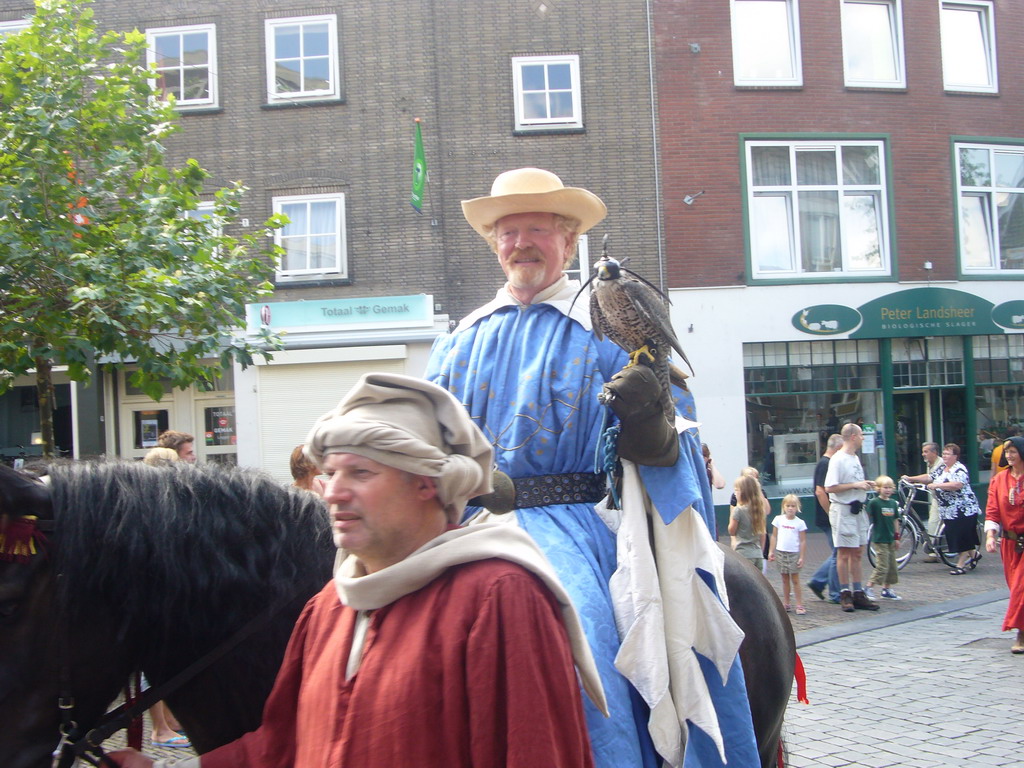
532, 190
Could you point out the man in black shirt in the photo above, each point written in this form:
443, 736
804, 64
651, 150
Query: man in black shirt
826, 575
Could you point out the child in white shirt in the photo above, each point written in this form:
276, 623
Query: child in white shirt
789, 540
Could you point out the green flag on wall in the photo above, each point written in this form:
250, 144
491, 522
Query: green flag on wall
419, 171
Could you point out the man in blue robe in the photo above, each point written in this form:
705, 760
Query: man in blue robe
529, 370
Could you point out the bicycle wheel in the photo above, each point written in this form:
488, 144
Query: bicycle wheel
909, 536
905, 546
942, 548
947, 556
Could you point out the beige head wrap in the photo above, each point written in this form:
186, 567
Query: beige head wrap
413, 425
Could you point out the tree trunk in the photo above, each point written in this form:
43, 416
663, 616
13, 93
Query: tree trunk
44, 392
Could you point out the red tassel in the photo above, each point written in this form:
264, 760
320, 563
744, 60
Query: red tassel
20, 539
801, 681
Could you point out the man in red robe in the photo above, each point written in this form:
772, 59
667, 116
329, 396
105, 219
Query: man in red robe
434, 645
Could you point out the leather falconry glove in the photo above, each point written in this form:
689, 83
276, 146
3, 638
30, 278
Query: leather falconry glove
646, 436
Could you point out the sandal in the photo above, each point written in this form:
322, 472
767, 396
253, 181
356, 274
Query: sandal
974, 560
175, 742
786, 607
957, 571
800, 610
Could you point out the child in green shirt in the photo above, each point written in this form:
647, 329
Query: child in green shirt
885, 534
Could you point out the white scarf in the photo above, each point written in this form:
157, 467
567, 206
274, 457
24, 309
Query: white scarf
366, 592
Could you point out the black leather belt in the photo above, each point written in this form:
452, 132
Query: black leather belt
542, 490
574, 488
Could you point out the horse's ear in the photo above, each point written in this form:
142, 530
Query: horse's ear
22, 495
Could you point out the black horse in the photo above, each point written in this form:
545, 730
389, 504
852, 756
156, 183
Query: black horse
767, 654
150, 568
153, 567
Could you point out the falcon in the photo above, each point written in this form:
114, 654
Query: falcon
634, 314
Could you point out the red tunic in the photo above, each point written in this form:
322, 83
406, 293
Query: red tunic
473, 669
1011, 518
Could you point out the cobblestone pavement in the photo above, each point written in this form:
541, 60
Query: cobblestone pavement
937, 691
920, 585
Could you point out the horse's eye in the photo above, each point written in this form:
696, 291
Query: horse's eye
7, 608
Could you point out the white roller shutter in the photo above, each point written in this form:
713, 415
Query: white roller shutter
292, 397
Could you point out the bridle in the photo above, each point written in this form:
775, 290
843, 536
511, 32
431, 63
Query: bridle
87, 743
22, 539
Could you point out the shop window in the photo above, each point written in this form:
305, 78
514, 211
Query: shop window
185, 59
302, 59
313, 240
147, 426
968, 34
810, 366
998, 408
920, 363
873, 43
817, 208
547, 92
799, 393
998, 359
990, 196
766, 43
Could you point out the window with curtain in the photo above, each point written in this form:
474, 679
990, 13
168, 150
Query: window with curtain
313, 240
968, 34
990, 186
766, 42
817, 207
873, 43
547, 92
302, 58
185, 59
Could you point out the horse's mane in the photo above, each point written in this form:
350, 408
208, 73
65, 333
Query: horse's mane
184, 552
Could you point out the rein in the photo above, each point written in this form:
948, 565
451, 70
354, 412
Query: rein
75, 745
87, 744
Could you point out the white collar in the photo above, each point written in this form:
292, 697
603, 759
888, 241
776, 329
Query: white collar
561, 295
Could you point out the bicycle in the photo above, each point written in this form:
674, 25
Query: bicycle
912, 524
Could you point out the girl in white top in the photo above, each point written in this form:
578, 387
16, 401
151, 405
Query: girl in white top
789, 541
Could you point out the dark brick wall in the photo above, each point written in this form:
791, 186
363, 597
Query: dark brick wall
703, 114
447, 62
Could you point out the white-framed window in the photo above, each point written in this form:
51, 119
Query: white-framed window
817, 207
13, 27
579, 268
185, 59
968, 32
313, 240
873, 44
302, 58
990, 199
547, 92
766, 43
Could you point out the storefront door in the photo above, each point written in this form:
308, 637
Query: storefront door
913, 417
925, 415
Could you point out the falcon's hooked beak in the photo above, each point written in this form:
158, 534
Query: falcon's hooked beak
608, 269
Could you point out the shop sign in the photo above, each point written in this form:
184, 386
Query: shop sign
335, 314
826, 319
1010, 314
914, 312
220, 425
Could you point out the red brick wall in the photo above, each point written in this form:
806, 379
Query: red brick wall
702, 115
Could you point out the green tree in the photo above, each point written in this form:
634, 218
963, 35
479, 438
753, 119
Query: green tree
99, 254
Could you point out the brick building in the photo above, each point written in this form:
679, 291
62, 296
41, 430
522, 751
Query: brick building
312, 106
857, 251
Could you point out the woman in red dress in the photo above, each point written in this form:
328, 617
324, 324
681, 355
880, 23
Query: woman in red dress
1004, 518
